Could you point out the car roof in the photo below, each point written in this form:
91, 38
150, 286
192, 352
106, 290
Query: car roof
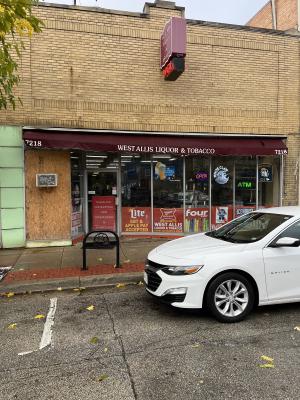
287, 210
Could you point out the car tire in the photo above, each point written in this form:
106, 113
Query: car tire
230, 297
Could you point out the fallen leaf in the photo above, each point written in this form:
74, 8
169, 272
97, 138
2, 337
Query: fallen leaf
59, 289
94, 340
266, 358
120, 285
267, 366
105, 350
102, 378
297, 328
201, 382
196, 345
82, 288
10, 294
39, 316
76, 290
12, 326
126, 261
90, 308
140, 283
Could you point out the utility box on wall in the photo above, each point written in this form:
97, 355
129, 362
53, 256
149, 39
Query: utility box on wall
46, 180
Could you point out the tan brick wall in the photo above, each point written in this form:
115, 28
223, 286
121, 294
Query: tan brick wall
100, 70
286, 15
48, 210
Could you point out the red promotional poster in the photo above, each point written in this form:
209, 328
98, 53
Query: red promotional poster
104, 213
168, 220
136, 219
196, 220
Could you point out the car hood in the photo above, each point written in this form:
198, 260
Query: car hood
192, 248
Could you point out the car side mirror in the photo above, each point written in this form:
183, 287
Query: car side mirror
286, 242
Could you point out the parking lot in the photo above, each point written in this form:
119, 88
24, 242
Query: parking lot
120, 343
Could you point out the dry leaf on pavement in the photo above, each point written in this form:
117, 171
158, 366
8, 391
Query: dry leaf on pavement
120, 285
90, 308
267, 366
297, 328
94, 340
39, 316
266, 358
12, 326
10, 294
102, 378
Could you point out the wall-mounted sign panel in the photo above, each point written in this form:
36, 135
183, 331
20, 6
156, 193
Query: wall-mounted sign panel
173, 40
46, 180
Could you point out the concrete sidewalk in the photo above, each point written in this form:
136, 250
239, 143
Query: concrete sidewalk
53, 268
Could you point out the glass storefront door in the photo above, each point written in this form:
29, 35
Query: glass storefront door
102, 192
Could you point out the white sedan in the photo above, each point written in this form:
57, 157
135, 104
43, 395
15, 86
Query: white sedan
252, 260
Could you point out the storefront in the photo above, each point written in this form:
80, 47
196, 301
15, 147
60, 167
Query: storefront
164, 184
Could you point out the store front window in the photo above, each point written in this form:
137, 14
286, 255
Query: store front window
168, 196
245, 185
196, 195
136, 193
268, 181
222, 191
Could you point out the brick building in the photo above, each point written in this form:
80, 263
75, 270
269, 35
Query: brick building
282, 15
134, 152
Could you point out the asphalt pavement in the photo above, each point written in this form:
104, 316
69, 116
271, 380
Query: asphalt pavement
121, 343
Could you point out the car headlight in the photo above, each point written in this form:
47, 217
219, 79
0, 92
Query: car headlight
182, 270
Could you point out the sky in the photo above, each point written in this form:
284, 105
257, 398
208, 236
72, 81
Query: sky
226, 11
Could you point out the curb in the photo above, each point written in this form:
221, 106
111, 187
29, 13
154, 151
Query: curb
86, 282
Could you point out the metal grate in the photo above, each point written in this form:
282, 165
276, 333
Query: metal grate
153, 280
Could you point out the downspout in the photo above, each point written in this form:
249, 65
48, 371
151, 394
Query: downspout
274, 19
298, 25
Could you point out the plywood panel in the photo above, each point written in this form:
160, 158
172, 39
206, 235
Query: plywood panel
48, 210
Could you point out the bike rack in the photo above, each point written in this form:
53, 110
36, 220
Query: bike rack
101, 240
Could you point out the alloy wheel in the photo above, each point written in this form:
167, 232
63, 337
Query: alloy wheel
231, 298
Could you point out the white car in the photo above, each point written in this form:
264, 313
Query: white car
252, 260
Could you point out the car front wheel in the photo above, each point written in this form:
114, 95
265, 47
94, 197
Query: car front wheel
230, 297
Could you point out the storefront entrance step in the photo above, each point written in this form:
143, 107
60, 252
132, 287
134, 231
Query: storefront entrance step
48, 243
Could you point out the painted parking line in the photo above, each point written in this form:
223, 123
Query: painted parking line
47, 334
47, 337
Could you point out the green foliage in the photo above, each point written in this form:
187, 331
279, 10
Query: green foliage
16, 23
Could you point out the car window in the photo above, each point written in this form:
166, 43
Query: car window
292, 231
249, 228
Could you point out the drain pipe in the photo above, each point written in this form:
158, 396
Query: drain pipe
274, 19
298, 27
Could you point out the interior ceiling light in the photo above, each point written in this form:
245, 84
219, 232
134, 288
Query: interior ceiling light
88, 156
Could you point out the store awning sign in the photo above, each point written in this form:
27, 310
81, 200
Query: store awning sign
157, 144
173, 48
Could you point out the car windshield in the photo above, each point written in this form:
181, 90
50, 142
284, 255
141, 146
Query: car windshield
249, 228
